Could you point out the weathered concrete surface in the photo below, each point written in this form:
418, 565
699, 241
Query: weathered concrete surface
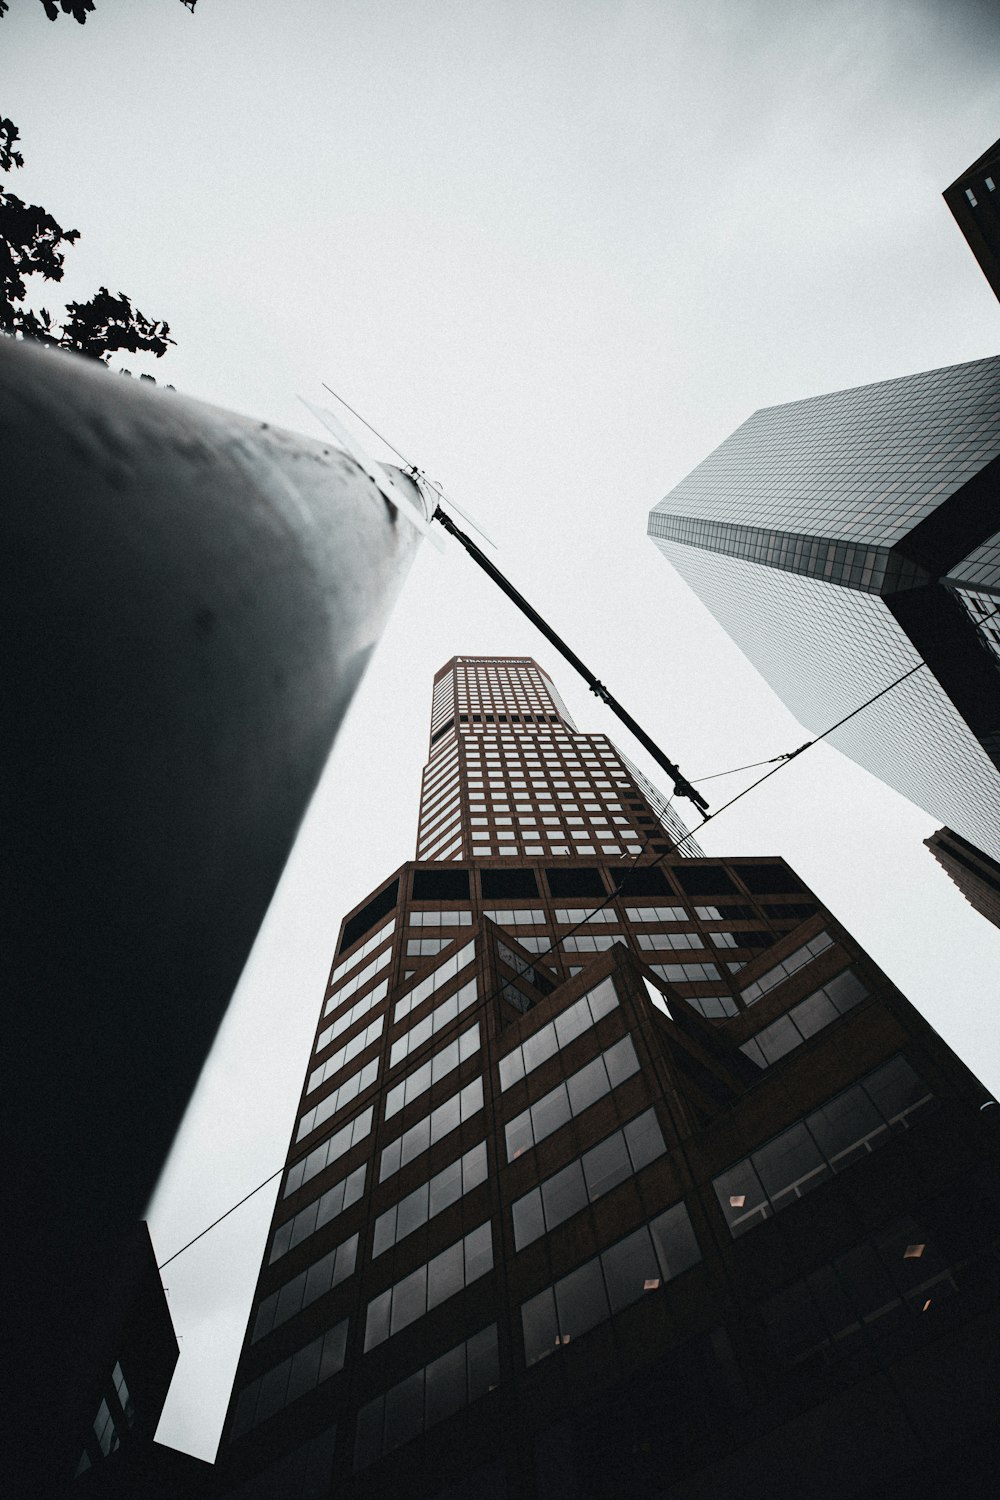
188, 599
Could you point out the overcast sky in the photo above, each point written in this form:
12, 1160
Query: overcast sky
557, 250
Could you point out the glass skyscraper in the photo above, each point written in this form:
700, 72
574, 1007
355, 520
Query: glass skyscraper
616, 1171
845, 539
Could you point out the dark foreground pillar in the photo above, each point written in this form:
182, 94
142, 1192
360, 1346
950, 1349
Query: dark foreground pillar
188, 599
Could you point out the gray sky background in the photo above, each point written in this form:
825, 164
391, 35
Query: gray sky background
557, 250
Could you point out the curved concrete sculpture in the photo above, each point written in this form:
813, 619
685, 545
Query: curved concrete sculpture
188, 601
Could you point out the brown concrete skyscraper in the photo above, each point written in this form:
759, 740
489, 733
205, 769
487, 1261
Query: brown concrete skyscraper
618, 1169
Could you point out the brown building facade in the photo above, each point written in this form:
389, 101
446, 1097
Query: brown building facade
615, 1170
975, 873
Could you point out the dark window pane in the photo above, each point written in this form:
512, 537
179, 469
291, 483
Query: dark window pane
445, 1388
290, 1298
319, 1277
409, 1299
446, 1117
628, 1266
483, 1362
528, 1220
265, 1317
536, 1049
404, 1411
445, 1188
412, 1212
347, 1258
622, 1061
644, 1139
814, 1013
675, 1240
511, 1068
385, 1231
741, 1197
842, 1126
377, 1320
334, 1350
304, 1224
581, 1300
606, 1165
418, 1137
518, 1135
390, 1160
549, 1113
602, 999
541, 1331
563, 1195
474, 1167
896, 1088
244, 1415
846, 990
791, 1164
445, 1274
752, 1050
282, 1240
588, 1085
368, 1435
572, 1023
272, 1391
478, 1252
305, 1371
778, 1039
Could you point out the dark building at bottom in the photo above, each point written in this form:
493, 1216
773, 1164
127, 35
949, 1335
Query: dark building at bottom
616, 1171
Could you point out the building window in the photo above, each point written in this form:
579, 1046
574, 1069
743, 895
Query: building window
583, 1088
637, 1266
430, 1198
804, 1020
832, 1138
315, 1281
558, 1033
429, 1285
436, 1020
346, 1054
293, 1377
787, 967
328, 1107
315, 1215
328, 1151
587, 1178
450, 1382
444, 1061
432, 1128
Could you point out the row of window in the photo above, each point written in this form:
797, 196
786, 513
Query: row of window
633, 1268
828, 1140
787, 967
350, 987
895, 1274
671, 940
329, 1150
434, 1126
425, 947
328, 1106
429, 1285
430, 1198
440, 919
446, 1385
375, 941
557, 1033
525, 918
804, 1020
433, 982
590, 942
686, 973
354, 1013
295, 1376
317, 1213
583, 1088
314, 1282
436, 1020
587, 1178
430, 1072
346, 1054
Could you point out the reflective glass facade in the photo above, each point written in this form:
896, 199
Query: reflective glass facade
841, 541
